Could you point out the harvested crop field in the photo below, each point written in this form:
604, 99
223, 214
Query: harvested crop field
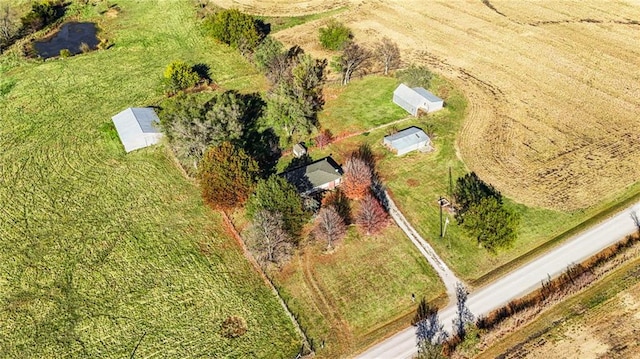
553, 86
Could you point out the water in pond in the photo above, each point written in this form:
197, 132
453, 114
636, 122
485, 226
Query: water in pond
70, 36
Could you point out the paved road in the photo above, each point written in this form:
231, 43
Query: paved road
447, 276
521, 281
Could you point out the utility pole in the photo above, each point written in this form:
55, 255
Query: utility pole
450, 185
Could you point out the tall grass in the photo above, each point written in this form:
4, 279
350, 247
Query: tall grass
103, 252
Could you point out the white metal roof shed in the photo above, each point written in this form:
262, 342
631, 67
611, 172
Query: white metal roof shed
415, 99
407, 140
137, 127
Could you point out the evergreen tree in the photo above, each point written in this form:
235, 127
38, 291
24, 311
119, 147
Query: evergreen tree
227, 176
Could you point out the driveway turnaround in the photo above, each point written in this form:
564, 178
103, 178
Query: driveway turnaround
521, 281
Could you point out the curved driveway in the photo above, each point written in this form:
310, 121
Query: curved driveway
522, 280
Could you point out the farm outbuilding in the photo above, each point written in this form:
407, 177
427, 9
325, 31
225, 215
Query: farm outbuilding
299, 150
407, 140
137, 127
323, 174
413, 100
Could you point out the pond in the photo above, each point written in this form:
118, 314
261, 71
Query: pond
71, 36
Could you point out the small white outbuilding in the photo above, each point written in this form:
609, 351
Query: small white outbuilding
407, 140
137, 127
415, 99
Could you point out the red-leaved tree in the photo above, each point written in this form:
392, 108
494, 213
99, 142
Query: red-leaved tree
329, 226
324, 138
357, 177
371, 217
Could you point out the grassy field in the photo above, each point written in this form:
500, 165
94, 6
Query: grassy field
600, 322
360, 292
103, 253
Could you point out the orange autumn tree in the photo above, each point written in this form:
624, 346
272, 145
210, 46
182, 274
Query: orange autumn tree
357, 177
227, 176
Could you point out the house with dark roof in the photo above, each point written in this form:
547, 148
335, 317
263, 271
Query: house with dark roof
137, 127
407, 140
416, 99
323, 174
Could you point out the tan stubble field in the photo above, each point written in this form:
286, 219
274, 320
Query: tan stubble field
553, 86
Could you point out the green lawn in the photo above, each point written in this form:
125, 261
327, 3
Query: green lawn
363, 104
358, 293
104, 252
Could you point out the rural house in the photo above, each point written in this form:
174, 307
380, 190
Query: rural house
415, 99
137, 127
407, 140
323, 174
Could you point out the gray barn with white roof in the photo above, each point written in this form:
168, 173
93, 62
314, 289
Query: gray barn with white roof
415, 99
407, 140
137, 127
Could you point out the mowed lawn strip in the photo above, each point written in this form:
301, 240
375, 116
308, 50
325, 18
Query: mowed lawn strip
105, 252
364, 285
363, 104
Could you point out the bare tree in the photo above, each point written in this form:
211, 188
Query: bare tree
354, 58
463, 314
329, 226
388, 53
268, 238
8, 25
430, 333
372, 216
357, 177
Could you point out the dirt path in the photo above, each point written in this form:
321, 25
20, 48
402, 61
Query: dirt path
344, 137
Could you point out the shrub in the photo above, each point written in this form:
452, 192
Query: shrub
41, 15
233, 327
180, 76
324, 138
335, 36
64, 53
415, 76
236, 29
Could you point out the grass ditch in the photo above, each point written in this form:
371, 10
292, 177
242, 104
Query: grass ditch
517, 313
572, 310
